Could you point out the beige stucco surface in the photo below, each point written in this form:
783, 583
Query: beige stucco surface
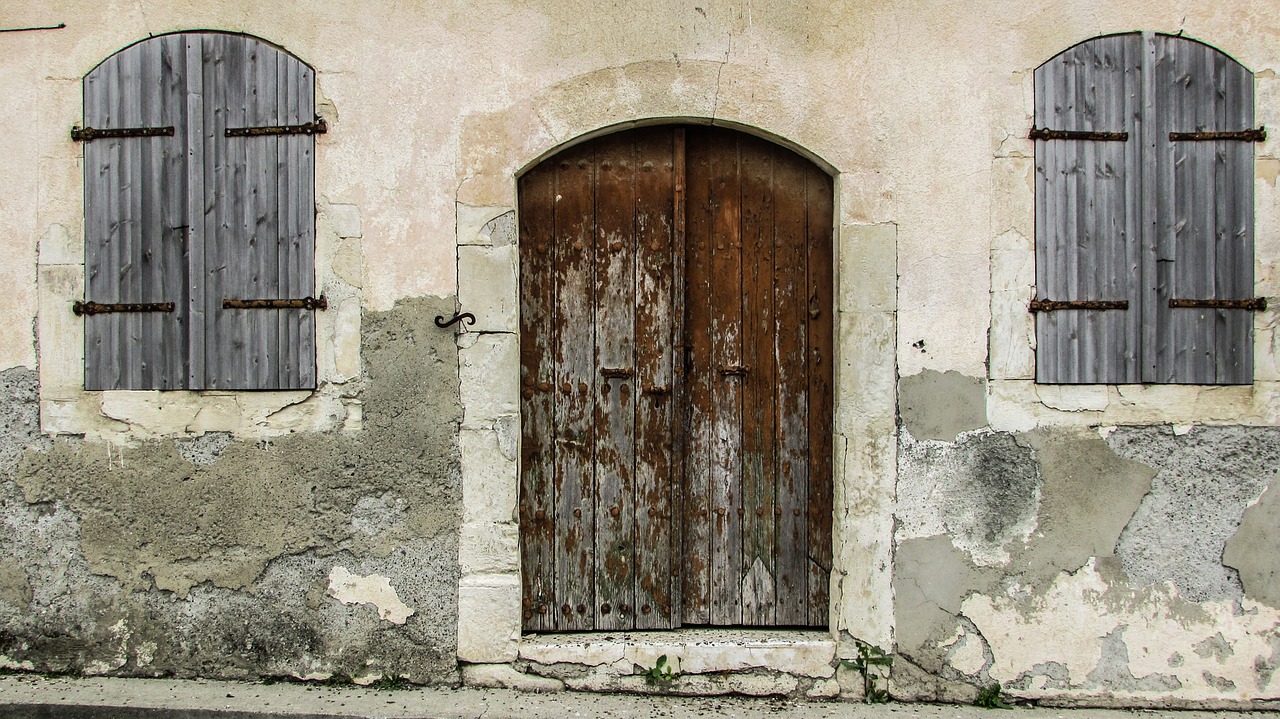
919, 109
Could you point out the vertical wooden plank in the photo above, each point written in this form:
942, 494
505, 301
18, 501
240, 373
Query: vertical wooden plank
537, 376
1235, 220
679, 370
729, 369
103, 166
175, 222
655, 353
574, 353
821, 357
759, 426
615, 367
699, 376
1157, 256
792, 400
199, 171
216, 207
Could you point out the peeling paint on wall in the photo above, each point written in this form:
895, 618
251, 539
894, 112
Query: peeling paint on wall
351, 588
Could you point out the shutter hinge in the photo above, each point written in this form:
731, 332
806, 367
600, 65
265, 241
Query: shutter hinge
1040, 133
97, 308
1256, 304
319, 127
1054, 305
306, 303
1258, 135
87, 134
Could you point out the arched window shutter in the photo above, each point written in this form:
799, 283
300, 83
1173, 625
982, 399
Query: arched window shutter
200, 222
136, 218
1203, 206
1087, 210
1144, 213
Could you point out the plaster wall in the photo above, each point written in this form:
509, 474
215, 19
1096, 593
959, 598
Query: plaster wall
952, 466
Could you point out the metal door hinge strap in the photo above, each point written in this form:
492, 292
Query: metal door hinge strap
319, 127
86, 134
1040, 133
1256, 304
1257, 135
733, 370
306, 303
1054, 305
96, 308
615, 372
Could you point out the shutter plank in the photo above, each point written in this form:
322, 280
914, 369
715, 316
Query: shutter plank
537, 367
201, 229
655, 352
759, 438
821, 358
791, 343
615, 302
576, 382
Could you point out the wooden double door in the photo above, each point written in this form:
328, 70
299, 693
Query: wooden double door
676, 383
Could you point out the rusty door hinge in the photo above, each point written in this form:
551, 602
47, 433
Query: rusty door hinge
1258, 135
615, 372
319, 127
733, 370
87, 134
1040, 133
306, 303
1055, 305
99, 308
1257, 304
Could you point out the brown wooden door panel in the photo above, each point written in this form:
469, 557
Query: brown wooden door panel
676, 350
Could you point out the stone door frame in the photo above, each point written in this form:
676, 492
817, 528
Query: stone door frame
505, 143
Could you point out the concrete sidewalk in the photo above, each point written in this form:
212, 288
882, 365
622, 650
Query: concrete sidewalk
25, 696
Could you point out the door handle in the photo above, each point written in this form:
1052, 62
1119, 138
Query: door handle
733, 370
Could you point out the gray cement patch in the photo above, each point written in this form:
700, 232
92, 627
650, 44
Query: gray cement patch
1253, 549
1205, 479
941, 405
211, 557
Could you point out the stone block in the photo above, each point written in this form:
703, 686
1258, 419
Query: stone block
60, 246
489, 618
866, 376
60, 333
504, 676
490, 377
489, 479
488, 287
487, 548
868, 262
345, 220
488, 226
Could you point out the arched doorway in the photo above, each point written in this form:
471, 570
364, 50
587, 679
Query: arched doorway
676, 383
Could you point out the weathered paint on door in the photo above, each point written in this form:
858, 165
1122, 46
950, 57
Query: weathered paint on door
676, 374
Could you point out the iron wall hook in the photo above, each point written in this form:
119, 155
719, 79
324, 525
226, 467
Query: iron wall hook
466, 317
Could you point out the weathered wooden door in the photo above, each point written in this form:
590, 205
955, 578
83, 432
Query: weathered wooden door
676, 383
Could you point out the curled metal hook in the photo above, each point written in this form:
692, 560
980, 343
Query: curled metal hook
466, 317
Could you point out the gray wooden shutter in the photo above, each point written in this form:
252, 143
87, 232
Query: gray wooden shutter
259, 229
197, 217
136, 218
1087, 212
1201, 195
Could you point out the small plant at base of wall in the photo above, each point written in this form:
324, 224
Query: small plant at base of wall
991, 698
661, 673
873, 664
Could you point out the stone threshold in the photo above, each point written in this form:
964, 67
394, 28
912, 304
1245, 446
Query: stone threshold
699, 662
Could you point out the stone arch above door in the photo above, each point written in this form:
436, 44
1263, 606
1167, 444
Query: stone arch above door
495, 147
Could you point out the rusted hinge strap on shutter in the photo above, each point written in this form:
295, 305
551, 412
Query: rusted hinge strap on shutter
306, 303
319, 127
1257, 135
1040, 133
97, 308
1055, 305
1257, 304
87, 134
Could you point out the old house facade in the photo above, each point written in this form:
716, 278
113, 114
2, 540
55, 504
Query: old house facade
930, 329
